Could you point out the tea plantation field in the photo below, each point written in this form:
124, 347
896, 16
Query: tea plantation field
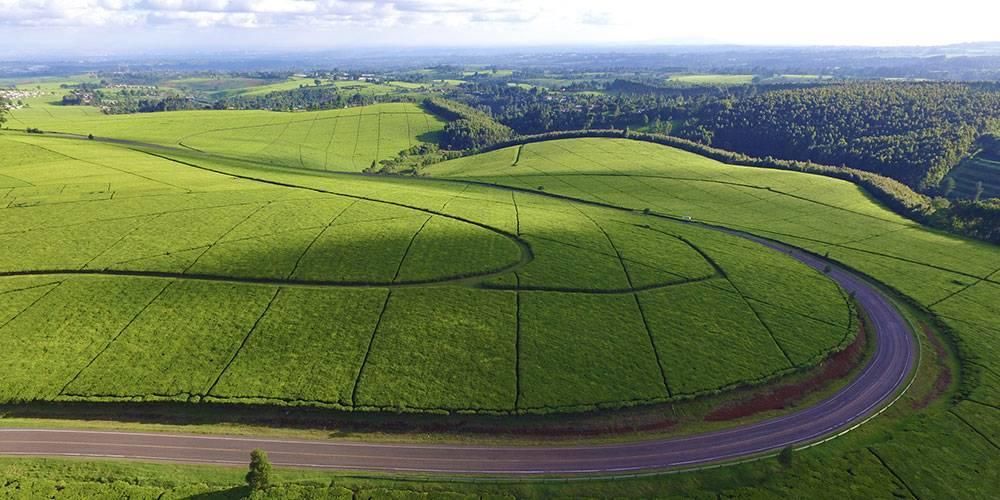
340, 140
509, 282
981, 170
944, 452
177, 276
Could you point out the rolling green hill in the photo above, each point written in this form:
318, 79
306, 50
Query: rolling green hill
936, 453
340, 140
491, 287
375, 293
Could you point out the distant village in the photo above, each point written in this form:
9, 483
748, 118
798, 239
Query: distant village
14, 98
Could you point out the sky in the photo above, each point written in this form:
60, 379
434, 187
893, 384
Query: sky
112, 27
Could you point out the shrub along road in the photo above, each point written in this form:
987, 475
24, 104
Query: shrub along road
878, 385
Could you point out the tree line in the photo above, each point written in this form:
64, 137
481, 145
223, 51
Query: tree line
913, 132
308, 98
467, 127
538, 111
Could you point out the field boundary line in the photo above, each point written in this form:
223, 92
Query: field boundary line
741, 227
368, 352
892, 472
978, 402
974, 429
560, 177
246, 338
275, 139
710, 262
64, 155
115, 338
598, 291
316, 238
261, 236
987, 368
457, 196
137, 259
406, 252
638, 303
329, 144
474, 279
722, 272
308, 133
14, 205
749, 186
986, 279
224, 234
517, 214
760, 320
378, 136
127, 217
119, 240
610, 255
15, 290
787, 310
32, 304
877, 235
357, 137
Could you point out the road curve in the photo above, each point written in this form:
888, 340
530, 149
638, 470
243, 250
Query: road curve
879, 383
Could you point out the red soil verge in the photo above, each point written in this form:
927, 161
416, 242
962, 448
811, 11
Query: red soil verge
835, 367
545, 430
943, 380
565, 431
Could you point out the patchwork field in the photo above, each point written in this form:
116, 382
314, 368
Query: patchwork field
956, 279
494, 286
154, 278
936, 270
983, 170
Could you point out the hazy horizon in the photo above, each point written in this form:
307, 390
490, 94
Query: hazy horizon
134, 27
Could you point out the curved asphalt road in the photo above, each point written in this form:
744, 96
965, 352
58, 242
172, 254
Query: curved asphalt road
874, 389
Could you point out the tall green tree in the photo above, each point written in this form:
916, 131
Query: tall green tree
259, 475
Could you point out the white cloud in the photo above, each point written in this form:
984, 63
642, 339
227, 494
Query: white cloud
270, 12
506, 22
